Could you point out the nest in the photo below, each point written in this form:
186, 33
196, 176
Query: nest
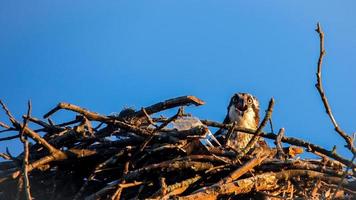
135, 155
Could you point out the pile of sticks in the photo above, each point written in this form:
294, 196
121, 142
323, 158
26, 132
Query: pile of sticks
139, 155
136, 156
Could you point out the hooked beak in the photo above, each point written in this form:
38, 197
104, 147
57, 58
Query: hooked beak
241, 107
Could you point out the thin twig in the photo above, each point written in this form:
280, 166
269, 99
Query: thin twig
148, 117
256, 137
2, 124
11, 117
271, 124
278, 143
10, 137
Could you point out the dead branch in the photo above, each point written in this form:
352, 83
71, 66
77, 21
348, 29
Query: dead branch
26, 155
278, 144
171, 103
349, 140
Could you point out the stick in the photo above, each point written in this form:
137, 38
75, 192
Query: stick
171, 103
26, 155
278, 143
349, 140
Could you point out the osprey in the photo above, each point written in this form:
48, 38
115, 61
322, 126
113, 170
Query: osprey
243, 110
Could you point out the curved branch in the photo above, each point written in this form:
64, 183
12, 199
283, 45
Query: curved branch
319, 87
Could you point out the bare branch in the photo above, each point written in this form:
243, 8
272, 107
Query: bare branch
26, 155
319, 86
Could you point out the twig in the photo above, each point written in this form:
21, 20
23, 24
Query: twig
148, 117
180, 187
25, 171
10, 137
271, 124
26, 155
20, 189
229, 133
120, 187
319, 86
164, 124
162, 191
67, 106
5, 156
169, 165
11, 117
7, 130
171, 119
256, 137
248, 166
2, 124
278, 143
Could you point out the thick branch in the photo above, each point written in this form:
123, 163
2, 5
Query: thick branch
171, 103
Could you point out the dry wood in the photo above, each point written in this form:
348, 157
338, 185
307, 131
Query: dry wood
349, 140
26, 155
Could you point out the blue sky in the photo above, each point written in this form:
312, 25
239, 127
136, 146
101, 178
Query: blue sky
112, 54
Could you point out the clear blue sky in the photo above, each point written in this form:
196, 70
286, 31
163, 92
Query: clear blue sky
112, 54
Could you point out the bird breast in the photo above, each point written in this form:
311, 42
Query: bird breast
245, 119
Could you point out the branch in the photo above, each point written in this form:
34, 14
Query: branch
97, 117
26, 154
171, 103
8, 113
169, 165
67, 106
289, 140
278, 144
2, 124
319, 86
180, 187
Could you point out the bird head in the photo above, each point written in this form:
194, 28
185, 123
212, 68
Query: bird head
243, 106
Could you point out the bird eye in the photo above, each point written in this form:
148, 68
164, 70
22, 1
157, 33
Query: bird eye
249, 101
